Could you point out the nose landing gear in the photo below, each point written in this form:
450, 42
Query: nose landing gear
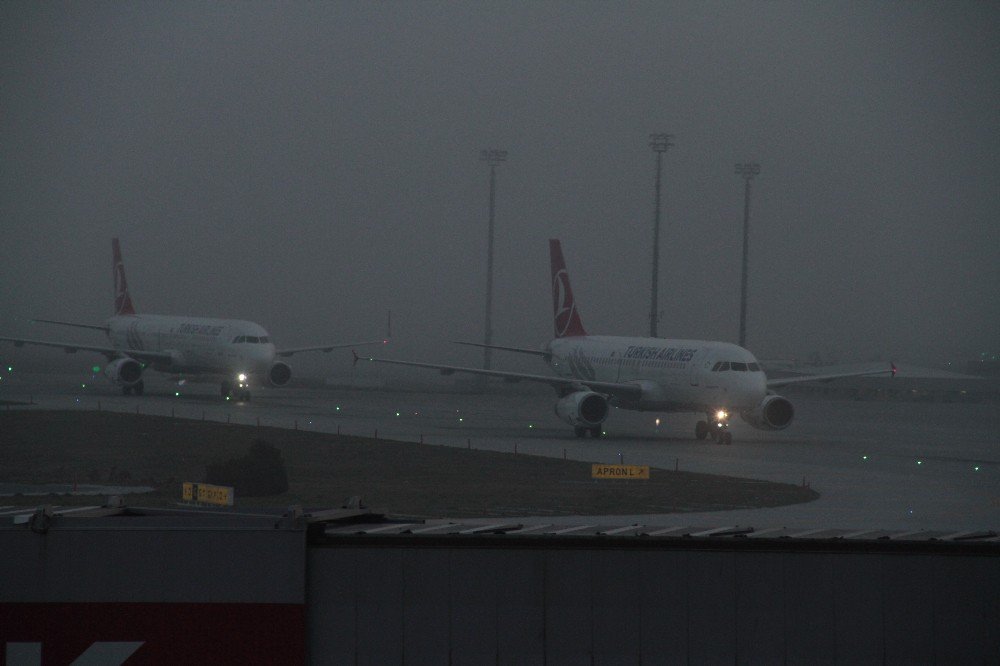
240, 390
716, 427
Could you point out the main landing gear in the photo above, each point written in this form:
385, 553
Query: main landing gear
596, 431
716, 427
137, 388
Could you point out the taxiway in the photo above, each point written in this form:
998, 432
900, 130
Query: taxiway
876, 464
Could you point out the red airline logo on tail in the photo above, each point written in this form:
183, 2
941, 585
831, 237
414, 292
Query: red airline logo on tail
123, 302
566, 317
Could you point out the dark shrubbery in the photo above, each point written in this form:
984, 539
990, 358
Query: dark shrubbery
260, 472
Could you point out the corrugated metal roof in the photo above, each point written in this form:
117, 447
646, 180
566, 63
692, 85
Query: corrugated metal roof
340, 524
640, 531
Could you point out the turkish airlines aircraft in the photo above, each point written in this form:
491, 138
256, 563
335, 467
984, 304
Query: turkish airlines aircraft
594, 372
233, 352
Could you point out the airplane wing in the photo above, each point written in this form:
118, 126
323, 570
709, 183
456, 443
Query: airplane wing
520, 350
628, 391
327, 348
784, 381
110, 352
72, 323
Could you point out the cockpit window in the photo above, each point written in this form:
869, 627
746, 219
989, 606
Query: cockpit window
715, 368
241, 338
740, 367
753, 367
252, 339
723, 366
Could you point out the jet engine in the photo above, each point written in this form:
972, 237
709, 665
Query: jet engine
124, 371
773, 413
279, 374
583, 408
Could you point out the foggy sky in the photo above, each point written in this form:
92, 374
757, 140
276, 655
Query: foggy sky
312, 166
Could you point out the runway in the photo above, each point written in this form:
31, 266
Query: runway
877, 465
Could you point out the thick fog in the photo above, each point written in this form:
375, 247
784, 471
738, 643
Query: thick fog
312, 166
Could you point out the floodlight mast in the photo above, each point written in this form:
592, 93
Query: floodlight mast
659, 143
747, 170
493, 157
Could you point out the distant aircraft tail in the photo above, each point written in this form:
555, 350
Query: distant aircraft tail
565, 315
123, 302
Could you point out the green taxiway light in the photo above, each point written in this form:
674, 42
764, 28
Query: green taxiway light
864, 457
397, 413
96, 368
83, 386
920, 462
177, 394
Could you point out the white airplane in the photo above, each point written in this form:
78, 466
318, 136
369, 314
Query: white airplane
595, 372
233, 352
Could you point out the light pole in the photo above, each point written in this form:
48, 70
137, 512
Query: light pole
659, 143
494, 157
748, 170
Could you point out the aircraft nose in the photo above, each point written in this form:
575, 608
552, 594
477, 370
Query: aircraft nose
263, 355
753, 388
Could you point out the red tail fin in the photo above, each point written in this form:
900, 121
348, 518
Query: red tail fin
564, 312
123, 302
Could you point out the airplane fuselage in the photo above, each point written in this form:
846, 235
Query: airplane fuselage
197, 345
675, 375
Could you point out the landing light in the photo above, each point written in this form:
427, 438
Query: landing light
242, 377
177, 394
721, 415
